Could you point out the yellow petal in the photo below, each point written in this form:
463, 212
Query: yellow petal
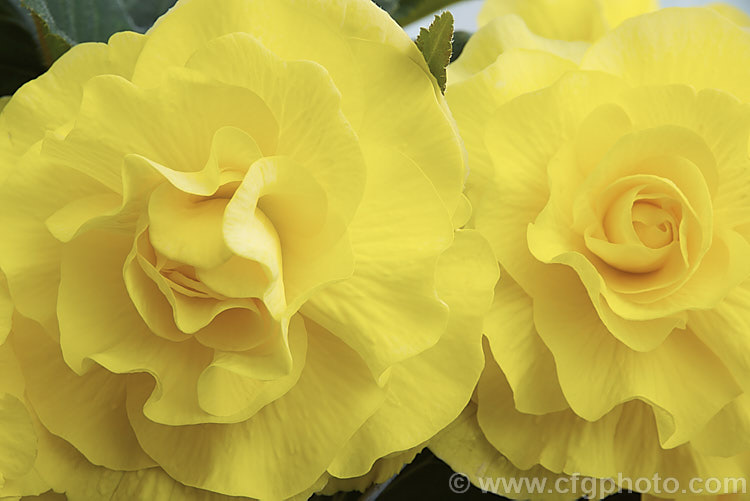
722, 330
306, 104
658, 49
88, 334
507, 428
287, 445
17, 435
272, 23
69, 472
566, 20
463, 213
29, 254
474, 100
179, 141
730, 11
235, 385
718, 438
187, 229
722, 123
290, 206
63, 400
6, 309
350, 47
616, 11
53, 99
17, 438
383, 469
389, 310
418, 131
526, 361
426, 392
523, 144
466, 450
624, 441
501, 35
571, 328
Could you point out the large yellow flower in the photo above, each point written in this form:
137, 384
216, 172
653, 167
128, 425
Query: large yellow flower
613, 187
230, 245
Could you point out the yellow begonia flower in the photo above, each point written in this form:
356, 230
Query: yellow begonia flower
612, 185
231, 246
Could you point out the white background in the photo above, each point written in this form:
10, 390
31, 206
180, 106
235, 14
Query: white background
466, 12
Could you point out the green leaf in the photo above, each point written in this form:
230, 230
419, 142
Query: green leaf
62, 22
459, 42
20, 54
51, 44
390, 6
145, 12
407, 11
435, 43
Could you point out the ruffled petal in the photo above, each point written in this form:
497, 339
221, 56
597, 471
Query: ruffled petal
323, 408
389, 310
6, 309
307, 106
427, 391
383, 469
720, 120
524, 144
356, 59
719, 437
570, 20
70, 473
187, 229
127, 345
17, 439
658, 49
724, 330
236, 385
31, 113
624, 440
501, 35
335, 21
569, 325
179, 141
29, 254
17, 436
473, 100
419, 132
466, 450
63, 400
518, 350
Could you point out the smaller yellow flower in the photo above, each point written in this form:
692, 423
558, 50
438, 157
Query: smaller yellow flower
612, 184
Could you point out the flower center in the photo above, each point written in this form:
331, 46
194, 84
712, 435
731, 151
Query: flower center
639, 230
654, 226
